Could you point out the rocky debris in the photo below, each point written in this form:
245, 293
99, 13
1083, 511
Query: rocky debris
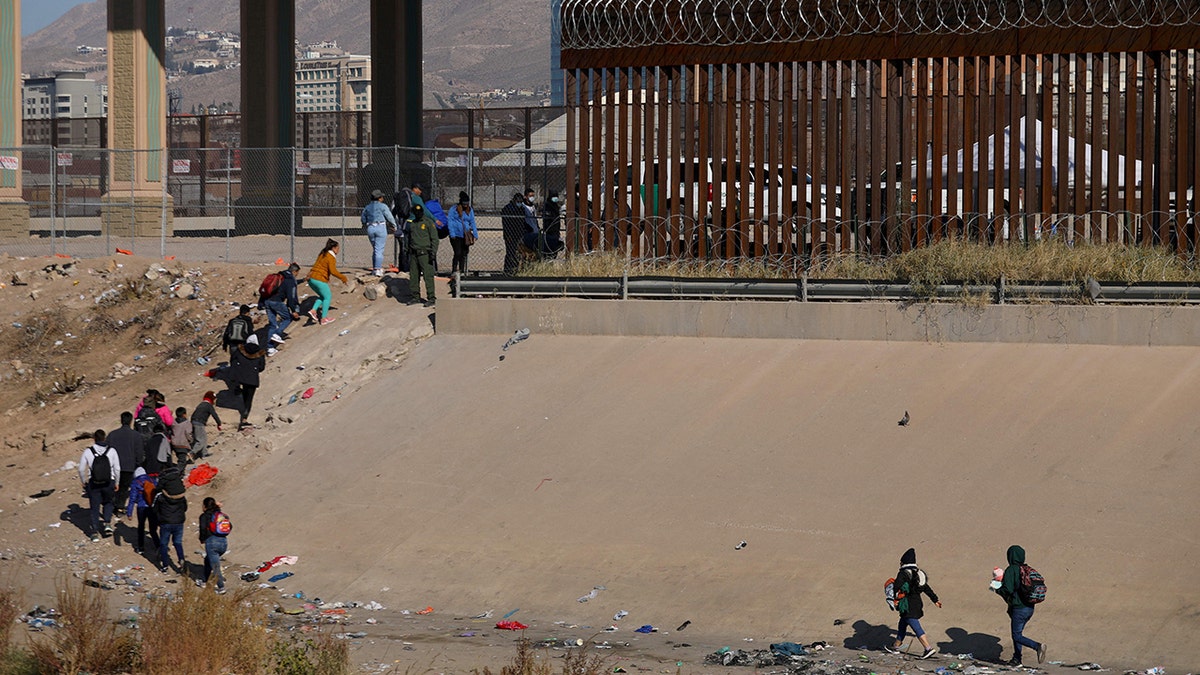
21, 278
184, 291
375, 291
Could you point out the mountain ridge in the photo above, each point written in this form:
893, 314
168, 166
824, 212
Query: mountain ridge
469, 45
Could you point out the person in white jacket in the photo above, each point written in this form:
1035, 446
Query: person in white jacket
100, 485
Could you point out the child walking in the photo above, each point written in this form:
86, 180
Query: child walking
213, 533
200, 416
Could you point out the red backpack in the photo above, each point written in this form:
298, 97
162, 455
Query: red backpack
269, 285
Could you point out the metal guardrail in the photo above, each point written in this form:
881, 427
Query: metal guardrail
823, 290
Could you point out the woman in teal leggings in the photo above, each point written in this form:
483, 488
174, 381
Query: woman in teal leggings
318, 280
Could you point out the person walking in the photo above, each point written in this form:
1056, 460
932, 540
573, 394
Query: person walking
378, 219
1019, 611
141, 496
213, 532
318, 280
200, 417
152, 402
422, 255
236, 331
99, 471
912, 582
171, 511
131, 448
512, 221
244, 366
282, 308
158, 455
181, 437
463, 232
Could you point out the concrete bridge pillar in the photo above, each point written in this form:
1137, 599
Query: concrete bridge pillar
14, 212
137, 119
396, 96
268, 116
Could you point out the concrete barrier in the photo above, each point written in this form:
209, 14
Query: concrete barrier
877, 321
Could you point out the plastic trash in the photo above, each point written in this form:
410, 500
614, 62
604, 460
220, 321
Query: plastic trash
428, 610
307, 393
511, 613
620, 615
645, 629
741, 545
518, 336
510, 625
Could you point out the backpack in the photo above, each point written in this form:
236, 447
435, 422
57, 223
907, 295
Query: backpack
149, 491
219, 524
402, 208
101, 469
237, 332
896, 597
267, 288
1033, 586
144, 422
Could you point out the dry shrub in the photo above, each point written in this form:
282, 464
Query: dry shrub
526, 662
322, 654
11, 600
39, 332
87, 640
948, 261
199, 632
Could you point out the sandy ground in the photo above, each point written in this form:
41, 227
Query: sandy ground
444, 477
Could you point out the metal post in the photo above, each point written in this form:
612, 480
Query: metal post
132, 204
53, 195
343, 209
162, 245
228, 198
292, 220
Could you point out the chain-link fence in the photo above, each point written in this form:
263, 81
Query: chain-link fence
249, 205
262, 205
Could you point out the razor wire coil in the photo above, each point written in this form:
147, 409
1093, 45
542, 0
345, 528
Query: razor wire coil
608, 24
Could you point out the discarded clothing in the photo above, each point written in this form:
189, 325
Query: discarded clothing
517, 337
789, 649
202, 474
280, 577
511, 625
645, 629
279, 560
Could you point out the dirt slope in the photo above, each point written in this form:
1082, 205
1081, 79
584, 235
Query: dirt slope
445, 477
472, 484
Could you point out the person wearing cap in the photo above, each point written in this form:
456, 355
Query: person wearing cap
282, 307
378, 219
200, 417
422, 254
463, 232
244, 366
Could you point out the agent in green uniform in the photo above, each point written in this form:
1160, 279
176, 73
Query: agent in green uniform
422, 254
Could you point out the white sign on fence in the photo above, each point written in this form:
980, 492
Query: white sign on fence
303, 169
9, 162
181, 166
64, 158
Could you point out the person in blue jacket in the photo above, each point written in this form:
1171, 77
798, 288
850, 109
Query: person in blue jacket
463, 232
377, 218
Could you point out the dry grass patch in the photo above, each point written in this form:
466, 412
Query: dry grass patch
87, 640
528, 661
949, 261
202, 633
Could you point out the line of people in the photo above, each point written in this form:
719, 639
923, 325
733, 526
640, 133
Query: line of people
137, 470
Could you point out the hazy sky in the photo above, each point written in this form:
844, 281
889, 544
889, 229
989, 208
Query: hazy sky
37, 14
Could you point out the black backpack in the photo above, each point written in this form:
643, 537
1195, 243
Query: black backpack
402, 208
237, 331
144, 422
101, 469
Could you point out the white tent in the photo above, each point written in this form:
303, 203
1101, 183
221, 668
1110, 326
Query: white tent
1035, 144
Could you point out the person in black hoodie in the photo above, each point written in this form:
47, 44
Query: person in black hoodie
171, 509
1018, 610
512, 220
912, 582
244, 366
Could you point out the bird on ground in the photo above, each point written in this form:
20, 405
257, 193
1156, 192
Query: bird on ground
903, 420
